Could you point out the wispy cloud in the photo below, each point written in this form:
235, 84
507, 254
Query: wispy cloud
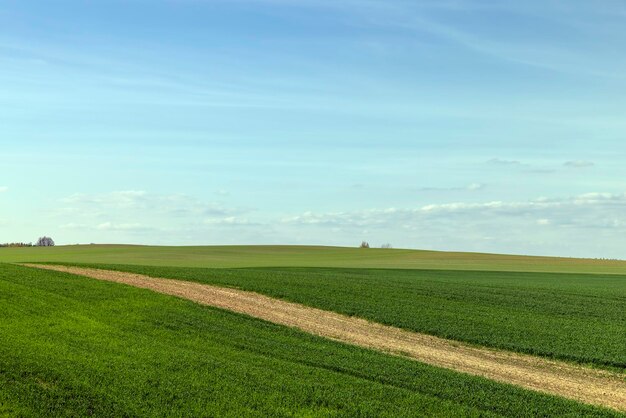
609, 204
133, 227
136, 211
578, 164
503, 162
471, 187
533, 226
143, 203
230, 221
541, 225
537, 168
574, 20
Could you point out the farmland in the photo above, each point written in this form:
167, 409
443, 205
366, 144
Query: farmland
77, 347
546, 314
306, 256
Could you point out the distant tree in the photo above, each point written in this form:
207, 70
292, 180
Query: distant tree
364, 244
16, 244
45, 242
386, 246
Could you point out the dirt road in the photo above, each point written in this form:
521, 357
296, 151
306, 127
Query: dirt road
553, 377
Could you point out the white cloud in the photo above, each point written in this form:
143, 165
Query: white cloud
605, 202
4, 189
592, 224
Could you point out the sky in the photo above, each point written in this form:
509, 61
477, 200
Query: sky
490, 126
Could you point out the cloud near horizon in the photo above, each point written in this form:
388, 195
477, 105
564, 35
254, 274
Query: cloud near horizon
539, 226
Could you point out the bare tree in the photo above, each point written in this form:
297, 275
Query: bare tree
45, 242
386, 246
364, 244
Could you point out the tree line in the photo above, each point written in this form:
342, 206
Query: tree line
41, 242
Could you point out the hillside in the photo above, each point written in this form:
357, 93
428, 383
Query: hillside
306, 256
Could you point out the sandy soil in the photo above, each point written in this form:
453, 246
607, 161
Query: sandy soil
583, 384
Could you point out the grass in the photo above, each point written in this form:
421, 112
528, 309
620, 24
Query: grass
574, 317
301, 256
78, 347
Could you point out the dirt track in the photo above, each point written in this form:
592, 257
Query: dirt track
579, 383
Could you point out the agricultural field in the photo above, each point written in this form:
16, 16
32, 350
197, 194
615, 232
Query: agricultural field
74, 346
546, 314
306, 256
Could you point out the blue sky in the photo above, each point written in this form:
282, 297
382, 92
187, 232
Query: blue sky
458, 125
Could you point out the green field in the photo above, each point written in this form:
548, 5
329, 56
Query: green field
575, 317
73, 346
79, 347
301, 256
